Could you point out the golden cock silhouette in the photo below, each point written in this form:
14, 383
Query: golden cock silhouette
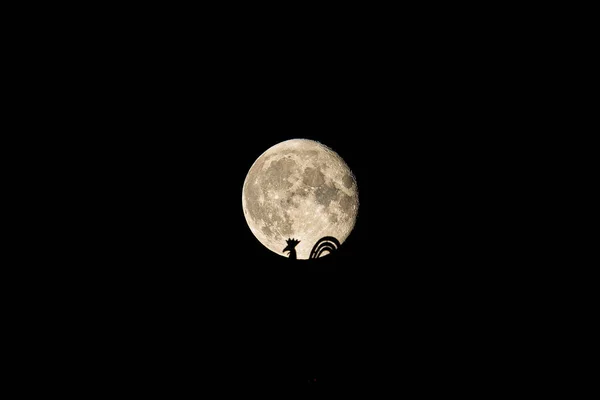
325, 245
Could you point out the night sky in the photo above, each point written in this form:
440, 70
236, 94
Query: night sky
189, 295
406, 297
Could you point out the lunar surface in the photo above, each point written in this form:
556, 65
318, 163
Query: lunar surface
299, 189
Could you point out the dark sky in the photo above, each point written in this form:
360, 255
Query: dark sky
399, 292
190, 281
197, 297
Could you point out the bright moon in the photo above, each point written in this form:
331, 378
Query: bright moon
299, 189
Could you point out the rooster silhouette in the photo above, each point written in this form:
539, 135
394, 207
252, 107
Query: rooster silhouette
291, 247
327, 244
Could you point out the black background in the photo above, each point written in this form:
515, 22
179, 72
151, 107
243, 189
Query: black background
407, 297
180, 294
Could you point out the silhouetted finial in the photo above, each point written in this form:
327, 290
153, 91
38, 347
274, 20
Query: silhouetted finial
292, 242
327, 244
291, 247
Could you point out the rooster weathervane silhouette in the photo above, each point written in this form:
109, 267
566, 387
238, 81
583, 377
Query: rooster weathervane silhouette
327, 244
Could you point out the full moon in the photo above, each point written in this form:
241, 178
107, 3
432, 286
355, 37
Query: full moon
299, 189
